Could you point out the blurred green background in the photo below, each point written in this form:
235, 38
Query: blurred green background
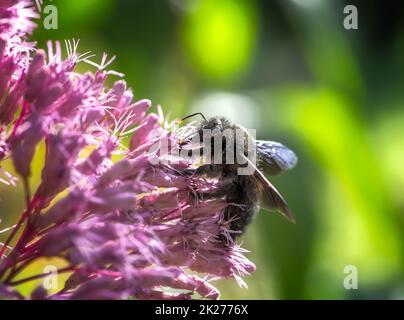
289, 69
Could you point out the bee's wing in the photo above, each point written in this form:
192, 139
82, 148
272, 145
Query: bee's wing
271, 199
276, 156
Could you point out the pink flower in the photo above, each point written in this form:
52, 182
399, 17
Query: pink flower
16, 17
129, 228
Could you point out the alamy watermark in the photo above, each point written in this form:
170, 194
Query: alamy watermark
351, 279
351, 17
213, 147
50, 14
51, 280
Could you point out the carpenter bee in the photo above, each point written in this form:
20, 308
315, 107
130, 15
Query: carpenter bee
245, 192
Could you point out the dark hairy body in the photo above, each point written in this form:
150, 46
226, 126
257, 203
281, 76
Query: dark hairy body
240, 191
244, 193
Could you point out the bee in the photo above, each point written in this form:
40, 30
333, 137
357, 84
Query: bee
245, 193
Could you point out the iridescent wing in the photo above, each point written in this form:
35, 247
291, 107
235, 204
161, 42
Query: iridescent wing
276, 156
271, 199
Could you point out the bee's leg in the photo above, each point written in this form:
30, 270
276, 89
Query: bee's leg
193, 193
221, 191
187, 172
210, 170
206, 169
226, 186
226, 182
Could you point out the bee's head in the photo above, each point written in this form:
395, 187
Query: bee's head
213, 123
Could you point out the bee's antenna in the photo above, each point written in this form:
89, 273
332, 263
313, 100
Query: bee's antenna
193, 115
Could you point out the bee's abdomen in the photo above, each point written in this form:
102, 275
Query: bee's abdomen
243, 204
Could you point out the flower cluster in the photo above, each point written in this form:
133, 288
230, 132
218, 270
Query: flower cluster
124, 227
